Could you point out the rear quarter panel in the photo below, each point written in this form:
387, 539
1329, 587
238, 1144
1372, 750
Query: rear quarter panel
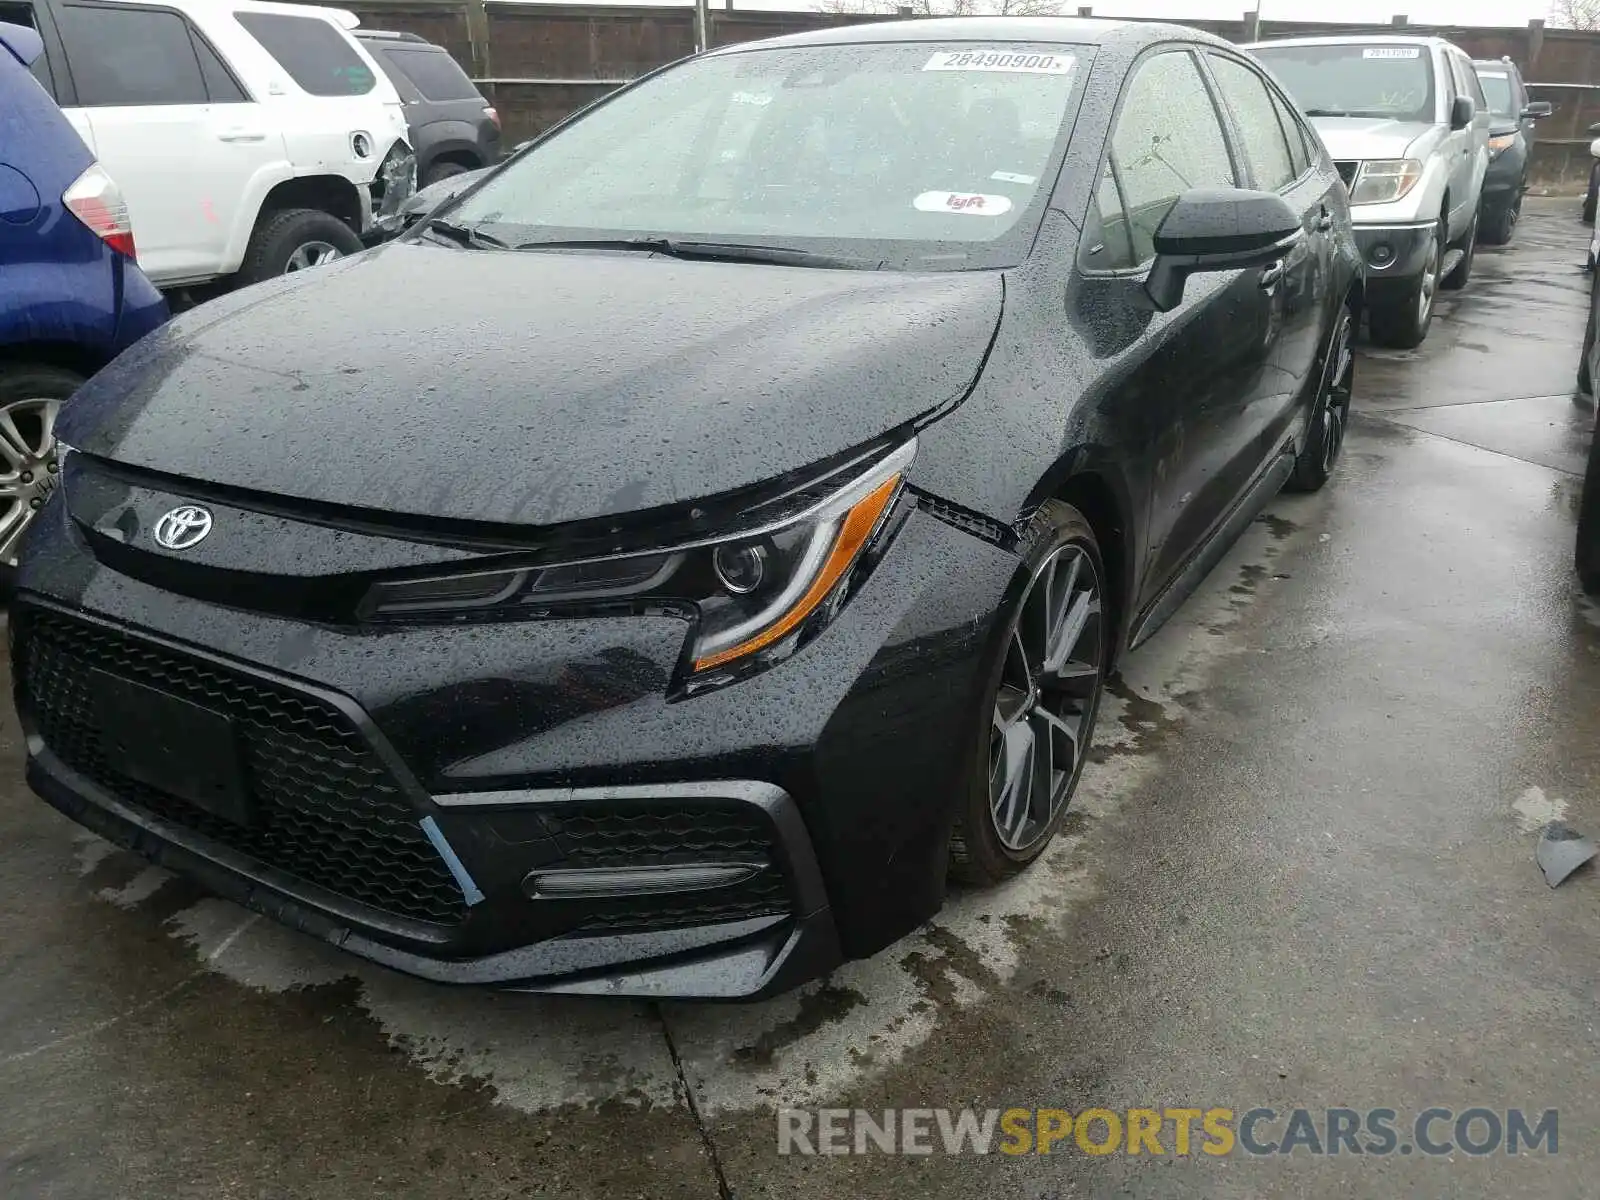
59, 282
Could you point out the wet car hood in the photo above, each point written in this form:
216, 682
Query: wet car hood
1350, 138
534, 388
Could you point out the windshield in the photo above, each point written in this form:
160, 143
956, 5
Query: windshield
1355, 81
911, 156
1497, 90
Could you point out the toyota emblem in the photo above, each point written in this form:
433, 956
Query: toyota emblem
183, 527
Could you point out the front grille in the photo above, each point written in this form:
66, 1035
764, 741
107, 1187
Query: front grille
1347, 172
630, 835
327, 810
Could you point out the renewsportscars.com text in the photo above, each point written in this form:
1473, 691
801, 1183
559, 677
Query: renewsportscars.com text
1179, 1132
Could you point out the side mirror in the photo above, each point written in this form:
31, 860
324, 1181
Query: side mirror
1462, 111
431, 197
24, 44
1218, 229
1538, 109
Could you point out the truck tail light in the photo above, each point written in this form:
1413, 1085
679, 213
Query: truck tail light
96, 200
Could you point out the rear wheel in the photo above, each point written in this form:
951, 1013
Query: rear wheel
1399, 317
440, 171
1592, 196
295, 239
30, 468
1330, 412
1038, 715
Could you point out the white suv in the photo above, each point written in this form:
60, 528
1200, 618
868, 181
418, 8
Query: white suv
249, 138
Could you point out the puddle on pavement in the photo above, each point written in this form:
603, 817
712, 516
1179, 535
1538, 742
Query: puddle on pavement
541, 1053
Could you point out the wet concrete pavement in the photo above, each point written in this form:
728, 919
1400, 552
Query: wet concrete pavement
1300, 874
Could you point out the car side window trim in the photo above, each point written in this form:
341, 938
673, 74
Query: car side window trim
198, 37
1108, 158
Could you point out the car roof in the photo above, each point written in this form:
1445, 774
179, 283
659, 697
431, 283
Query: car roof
1352, 39
1497, 64
394, 35
1066, 30
341, 17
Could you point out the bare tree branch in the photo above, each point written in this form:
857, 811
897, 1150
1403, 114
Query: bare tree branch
965, 8
1575, 14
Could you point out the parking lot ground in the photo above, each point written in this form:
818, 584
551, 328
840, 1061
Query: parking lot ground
1300, 875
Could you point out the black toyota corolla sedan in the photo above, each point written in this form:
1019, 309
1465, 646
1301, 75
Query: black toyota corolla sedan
665, 568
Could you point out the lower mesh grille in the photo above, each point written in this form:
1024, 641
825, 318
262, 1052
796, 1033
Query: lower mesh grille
604, 835
328, 811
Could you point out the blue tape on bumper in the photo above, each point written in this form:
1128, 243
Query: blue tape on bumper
436, 836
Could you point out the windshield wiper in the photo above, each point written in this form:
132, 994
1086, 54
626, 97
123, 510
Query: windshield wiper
712, 252
464, 235
1326, 112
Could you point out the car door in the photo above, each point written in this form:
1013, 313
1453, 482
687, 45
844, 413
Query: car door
172, 125
1477, 134
1188, 372
1279, 162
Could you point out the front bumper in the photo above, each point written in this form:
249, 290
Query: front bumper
1504, 181
1395, 252
537, 747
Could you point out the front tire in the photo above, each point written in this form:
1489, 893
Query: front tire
1499, 224
1457, 279
1592, 197
1401, 318
295, 239
30, 468
1037, 718
1330, 411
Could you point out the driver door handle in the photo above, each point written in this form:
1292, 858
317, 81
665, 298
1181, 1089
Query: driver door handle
1271, 274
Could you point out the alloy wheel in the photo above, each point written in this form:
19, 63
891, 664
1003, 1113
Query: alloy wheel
29, 467
1430, 285
311, 254
1337, 385
1044, 708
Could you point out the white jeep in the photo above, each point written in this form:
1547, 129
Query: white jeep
249, 138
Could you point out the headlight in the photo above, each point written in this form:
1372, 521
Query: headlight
752, 593
1382, 180
1500, 144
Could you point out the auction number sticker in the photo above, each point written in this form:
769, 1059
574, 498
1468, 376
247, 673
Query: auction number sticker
1025, 62
974, 204
1392, 52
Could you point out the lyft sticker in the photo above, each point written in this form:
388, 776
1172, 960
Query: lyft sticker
1021, 61
974, 203
1392, 52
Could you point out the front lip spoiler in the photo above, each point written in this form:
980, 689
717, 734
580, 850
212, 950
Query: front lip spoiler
737, 960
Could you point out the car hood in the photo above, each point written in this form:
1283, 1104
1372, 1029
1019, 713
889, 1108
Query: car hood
535, 388
1355, 138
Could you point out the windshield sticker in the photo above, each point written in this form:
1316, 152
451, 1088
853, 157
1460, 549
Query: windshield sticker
1013, 177
974, 203
1004, 60
1392, 52
759, 99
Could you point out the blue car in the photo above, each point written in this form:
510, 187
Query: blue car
71, 295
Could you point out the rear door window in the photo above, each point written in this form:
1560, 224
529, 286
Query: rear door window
434, 73
317, 56
131, 56
13, 13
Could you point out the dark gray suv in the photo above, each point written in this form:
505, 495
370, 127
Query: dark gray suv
453, 127
1511, 118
